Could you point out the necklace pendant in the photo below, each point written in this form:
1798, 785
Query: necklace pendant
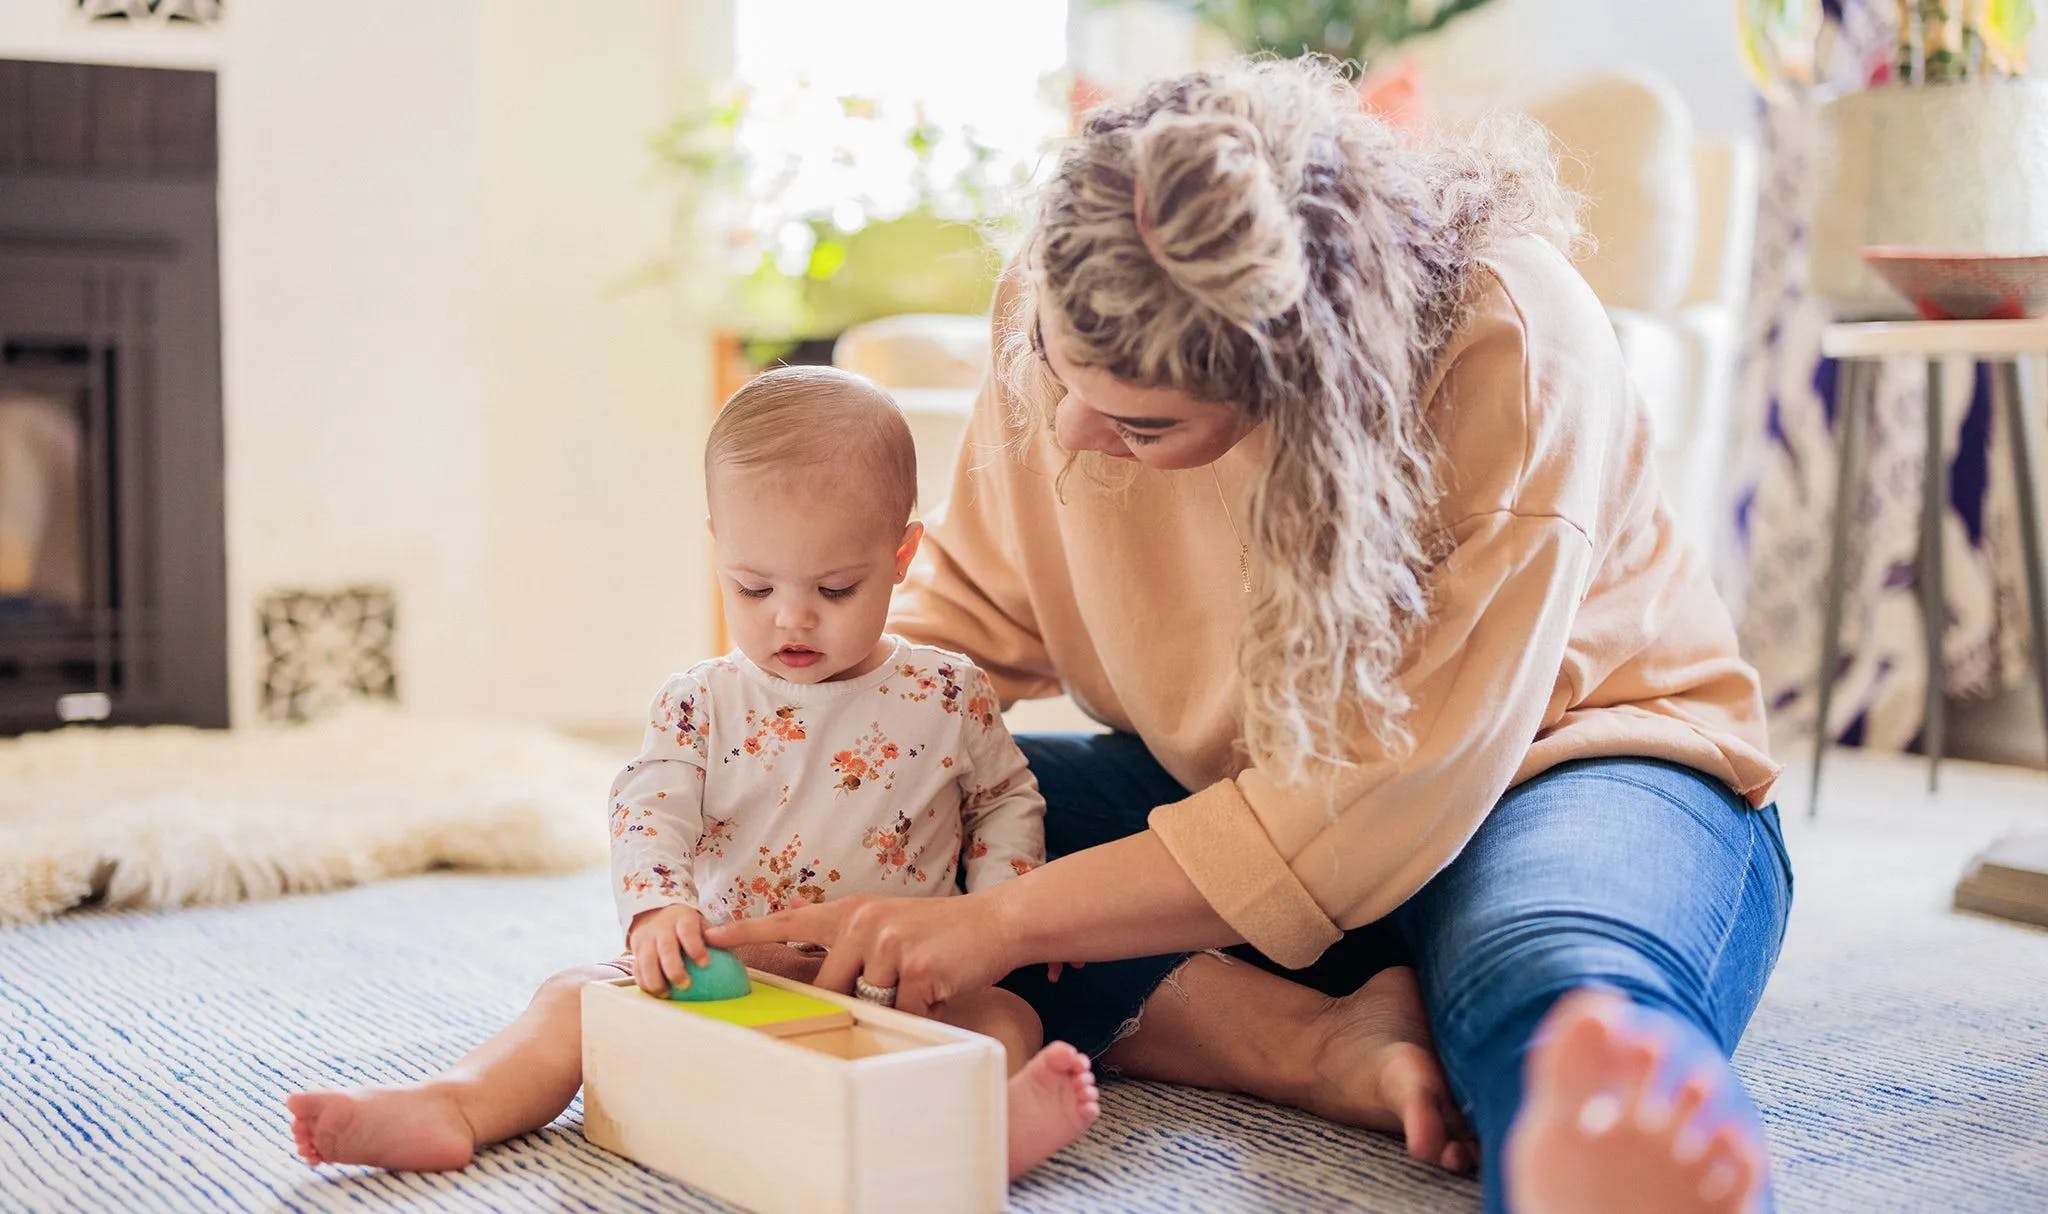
1244, 568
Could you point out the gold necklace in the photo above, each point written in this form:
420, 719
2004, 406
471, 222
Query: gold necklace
1244, 553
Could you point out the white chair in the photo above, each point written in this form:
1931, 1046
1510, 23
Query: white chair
933, 365
1688, 377
1673, 222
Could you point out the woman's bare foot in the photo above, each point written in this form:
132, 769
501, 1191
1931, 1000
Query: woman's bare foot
404, 1129
1593, 1138
1375, 1066
1052, 1102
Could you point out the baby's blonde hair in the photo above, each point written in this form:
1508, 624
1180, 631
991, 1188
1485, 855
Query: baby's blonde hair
1248, 236
805, 418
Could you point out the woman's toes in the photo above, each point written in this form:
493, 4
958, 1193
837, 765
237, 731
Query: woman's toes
1728, 1167
1424, 1129
1688, 1140
1572, 1056
1638, 1063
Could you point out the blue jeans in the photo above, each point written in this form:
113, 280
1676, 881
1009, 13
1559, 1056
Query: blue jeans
1639, 875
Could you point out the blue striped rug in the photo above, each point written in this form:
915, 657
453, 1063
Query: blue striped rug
144, 1059
1901, 1057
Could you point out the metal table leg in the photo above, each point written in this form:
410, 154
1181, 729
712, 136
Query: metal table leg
1933, 612
1852, 415
2017, 422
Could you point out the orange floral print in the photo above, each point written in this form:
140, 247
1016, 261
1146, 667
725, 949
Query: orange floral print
950, 689
655, 878
768, 735
630, 821
678, 714
717, 833
871, 761
981, 708
786, 883
942, 681
982, 794
891, 847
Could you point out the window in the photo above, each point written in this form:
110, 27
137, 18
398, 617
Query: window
859, 110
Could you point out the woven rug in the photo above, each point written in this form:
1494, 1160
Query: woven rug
1900, 1057
169, 816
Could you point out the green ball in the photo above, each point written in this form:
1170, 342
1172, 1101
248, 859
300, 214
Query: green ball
724, 978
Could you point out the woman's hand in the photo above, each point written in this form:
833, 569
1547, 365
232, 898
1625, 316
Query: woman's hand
929, 949
659, 939
782, 960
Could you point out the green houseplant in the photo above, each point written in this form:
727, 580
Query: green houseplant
782, 235
1355, 31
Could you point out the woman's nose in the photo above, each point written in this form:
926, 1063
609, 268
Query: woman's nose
1080, 428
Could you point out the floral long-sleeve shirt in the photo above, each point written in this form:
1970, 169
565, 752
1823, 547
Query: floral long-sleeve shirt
751, 793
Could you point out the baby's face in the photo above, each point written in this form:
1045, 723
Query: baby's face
806, 563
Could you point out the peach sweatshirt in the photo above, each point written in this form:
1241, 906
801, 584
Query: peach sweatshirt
1567, 621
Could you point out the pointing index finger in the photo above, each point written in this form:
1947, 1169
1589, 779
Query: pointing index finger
815, 924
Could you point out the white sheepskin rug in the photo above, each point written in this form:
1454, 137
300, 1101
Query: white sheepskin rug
171, 816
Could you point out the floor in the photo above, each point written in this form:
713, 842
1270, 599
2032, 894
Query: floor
1900, 1055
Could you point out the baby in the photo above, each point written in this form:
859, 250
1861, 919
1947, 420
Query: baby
821, 758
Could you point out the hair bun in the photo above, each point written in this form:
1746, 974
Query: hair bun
1220, 224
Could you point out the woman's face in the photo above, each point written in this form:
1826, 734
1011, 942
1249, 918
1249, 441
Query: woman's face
1158, 427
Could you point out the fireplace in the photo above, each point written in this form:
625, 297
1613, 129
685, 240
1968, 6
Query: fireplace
112, 574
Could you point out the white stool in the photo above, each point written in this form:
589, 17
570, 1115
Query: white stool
1858, 347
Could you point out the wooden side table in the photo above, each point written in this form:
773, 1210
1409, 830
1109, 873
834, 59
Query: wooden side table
1859, 348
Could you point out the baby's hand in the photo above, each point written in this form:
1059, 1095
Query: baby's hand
1054, 968
659, 939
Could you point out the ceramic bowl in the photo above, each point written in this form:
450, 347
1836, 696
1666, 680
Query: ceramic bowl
1946, 285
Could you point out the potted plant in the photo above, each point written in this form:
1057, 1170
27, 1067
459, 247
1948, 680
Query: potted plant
1356, 32
1941, 146
802, 215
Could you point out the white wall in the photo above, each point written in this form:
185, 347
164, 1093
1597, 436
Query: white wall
352, 283
598, 397
428, 377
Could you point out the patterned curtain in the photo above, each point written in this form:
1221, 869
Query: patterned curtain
1784, 469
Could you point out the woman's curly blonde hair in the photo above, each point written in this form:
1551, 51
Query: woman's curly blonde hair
1308, 268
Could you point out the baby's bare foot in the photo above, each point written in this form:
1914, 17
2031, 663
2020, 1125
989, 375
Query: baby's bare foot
1592, 1138
1052, 1102
404, 1129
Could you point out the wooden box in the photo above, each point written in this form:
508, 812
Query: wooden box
890, 1113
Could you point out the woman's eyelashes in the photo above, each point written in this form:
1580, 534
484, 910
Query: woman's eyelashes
1132, 436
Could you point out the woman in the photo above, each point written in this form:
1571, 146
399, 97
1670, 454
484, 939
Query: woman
1382, 573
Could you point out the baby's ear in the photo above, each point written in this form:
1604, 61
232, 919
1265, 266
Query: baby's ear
913, 535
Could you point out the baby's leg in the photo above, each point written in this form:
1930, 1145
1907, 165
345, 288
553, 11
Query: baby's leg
1052, 1090
1002, 1015
519, 1080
